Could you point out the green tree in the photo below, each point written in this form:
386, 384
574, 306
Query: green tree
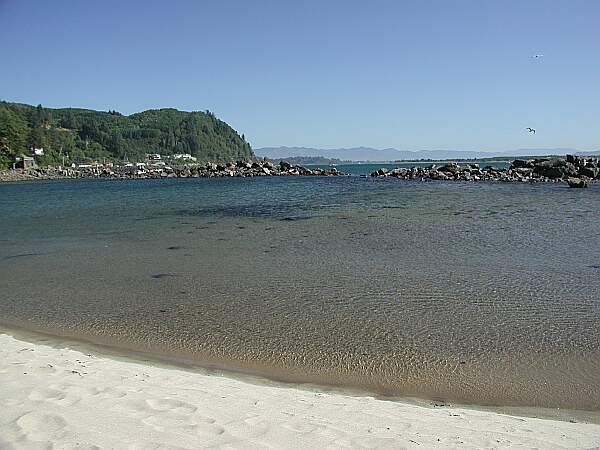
90, 134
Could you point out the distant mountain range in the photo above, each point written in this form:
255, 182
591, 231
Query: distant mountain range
392, 154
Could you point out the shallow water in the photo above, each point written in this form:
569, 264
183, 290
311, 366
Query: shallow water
480, 293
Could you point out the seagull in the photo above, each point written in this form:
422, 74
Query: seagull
537, 56
531, 130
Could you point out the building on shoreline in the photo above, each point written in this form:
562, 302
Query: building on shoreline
24, 162
184, 156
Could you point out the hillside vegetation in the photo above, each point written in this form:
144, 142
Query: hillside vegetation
69, 134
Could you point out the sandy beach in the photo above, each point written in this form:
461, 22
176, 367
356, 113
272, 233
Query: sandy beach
54, 396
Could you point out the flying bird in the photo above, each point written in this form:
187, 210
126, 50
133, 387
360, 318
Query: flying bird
537, 56
531, 130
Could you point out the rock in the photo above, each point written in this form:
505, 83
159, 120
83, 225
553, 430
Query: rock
517, 163
549, 171
577, 183
590, 172
451, 167
396, 173
555, 169
524, 170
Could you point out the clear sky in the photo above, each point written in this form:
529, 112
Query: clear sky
406, 74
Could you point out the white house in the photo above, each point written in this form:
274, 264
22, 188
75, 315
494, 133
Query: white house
185, 156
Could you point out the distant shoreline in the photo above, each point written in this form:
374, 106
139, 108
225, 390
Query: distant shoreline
576, 171
503, 159
208, 170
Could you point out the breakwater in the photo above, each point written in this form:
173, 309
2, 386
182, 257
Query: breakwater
576, 171
208, 170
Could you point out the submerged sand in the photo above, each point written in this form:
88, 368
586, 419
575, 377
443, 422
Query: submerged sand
53, 396
476, 294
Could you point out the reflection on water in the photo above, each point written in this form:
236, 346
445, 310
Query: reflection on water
483, 293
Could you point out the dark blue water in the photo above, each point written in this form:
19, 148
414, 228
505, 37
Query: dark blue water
486, 293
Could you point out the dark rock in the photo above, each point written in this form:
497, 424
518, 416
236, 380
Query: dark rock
590, 172
549, 171
577, 183
524, 170
521, 163
451, 167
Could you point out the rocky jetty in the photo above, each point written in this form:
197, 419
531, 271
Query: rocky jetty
577, 171
209, 170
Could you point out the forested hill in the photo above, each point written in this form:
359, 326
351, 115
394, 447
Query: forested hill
71, 134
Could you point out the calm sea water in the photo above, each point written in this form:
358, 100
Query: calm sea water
485, 293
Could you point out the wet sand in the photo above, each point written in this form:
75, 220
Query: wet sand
55, 395
474, 294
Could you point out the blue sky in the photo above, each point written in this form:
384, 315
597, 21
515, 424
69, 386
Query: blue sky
411, 75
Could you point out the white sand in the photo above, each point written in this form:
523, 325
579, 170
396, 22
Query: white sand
62, 398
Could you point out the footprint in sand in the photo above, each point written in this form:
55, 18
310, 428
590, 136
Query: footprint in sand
79, 446
207, 430
39, 426
300, 426
135, 408
143, 445
171, 405
107, 392
40, 395
374, 442
190, 424
77, 392
250, 427
25, 444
